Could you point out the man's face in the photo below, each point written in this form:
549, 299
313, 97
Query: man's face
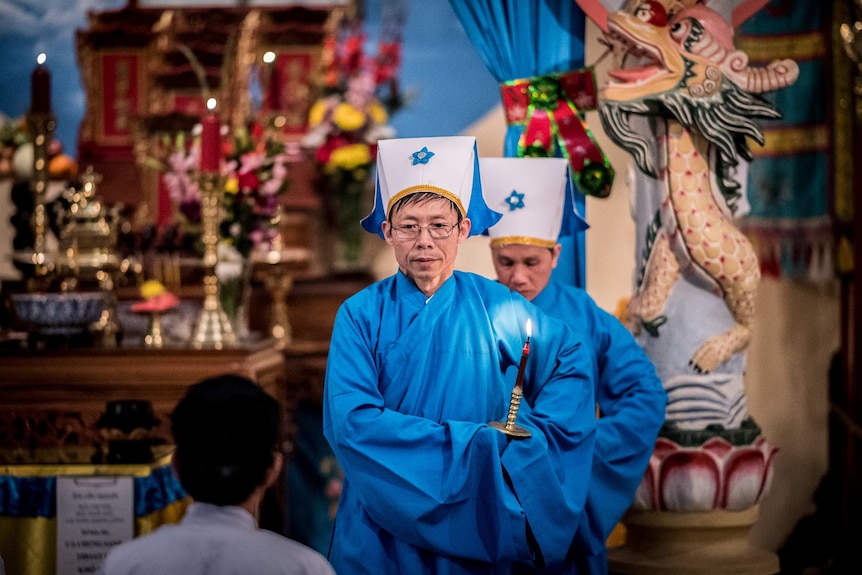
424, 259
525, 268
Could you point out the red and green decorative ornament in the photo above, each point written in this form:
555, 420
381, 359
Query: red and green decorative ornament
551, 109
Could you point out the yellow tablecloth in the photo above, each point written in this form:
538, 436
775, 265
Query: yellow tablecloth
28, 493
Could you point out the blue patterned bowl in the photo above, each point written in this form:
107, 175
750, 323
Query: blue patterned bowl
58, 313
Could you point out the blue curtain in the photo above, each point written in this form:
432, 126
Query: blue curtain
526, 38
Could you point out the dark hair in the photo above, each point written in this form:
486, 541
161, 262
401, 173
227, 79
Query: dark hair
421, 198
226, 430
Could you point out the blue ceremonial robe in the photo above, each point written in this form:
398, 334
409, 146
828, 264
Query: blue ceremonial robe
429, 487
632, 402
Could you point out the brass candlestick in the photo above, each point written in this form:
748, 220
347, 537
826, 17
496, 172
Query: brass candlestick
154, 336
509, 427
279, 264
42, 126
278, 284
213, 328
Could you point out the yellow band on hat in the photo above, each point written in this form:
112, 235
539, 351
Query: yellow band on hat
509, 240
426, 188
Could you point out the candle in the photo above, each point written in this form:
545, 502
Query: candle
40, 87
274, 86
210, 139
525, 353
270, 102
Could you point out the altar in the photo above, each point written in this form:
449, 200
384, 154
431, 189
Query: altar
51, 401
77, 383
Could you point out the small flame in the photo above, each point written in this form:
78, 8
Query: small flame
41, 58
211, 104
269, 57
529, 328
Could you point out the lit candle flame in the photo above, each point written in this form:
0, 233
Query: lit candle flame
529, 327
211, 104
41, 58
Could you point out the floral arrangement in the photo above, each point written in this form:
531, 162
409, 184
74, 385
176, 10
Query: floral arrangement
16, 152
255, 176
345, 125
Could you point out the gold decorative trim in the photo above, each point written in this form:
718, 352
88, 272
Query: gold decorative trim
799, 47
509, 240
426, 188
793, 140
843, 106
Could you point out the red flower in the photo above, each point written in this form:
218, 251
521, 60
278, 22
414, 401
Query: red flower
248, 181
257, 133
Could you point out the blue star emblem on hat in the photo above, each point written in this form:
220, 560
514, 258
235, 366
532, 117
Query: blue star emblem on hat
515, 201
422, 156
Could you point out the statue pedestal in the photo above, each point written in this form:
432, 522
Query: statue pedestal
693, 543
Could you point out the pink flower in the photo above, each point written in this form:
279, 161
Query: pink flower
715, 475
251, 162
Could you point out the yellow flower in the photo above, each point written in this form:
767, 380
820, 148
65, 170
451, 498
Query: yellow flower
152, 288
347, 117
377, 113
231, 186
317, 112
350, 157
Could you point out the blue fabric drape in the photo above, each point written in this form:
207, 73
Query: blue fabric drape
157, 490
521, 39
789, 183
37, 496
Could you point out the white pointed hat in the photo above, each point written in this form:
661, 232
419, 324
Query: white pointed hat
536, 198
448, 166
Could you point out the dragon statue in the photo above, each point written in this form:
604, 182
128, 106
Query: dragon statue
685, 112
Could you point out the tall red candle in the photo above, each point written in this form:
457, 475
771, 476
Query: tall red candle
274, 88
525, 353
210, 140
40, 88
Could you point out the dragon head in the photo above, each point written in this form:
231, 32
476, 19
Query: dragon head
690, 71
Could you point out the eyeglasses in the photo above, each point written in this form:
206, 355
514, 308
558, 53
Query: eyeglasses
438, 231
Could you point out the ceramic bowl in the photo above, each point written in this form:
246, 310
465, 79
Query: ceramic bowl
58, 313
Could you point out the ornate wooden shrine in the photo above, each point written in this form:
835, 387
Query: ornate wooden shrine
148, 71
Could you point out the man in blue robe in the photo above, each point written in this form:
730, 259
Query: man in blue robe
534, 195
417, 368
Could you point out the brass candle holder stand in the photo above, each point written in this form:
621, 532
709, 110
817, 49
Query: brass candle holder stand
278, 284
154, 338
509, 427
279, 264
213, 328
42, 127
